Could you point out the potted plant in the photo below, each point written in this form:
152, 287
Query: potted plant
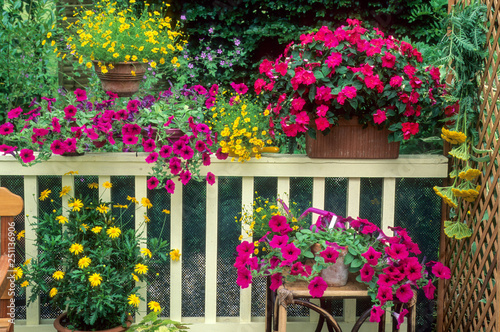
90, 260
73, 123
241, 123
152, 323
386, 264
349, 75
119, 41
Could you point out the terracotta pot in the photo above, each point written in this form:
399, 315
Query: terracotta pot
336, 274
61, 321
174, 134
120, 79
349, 140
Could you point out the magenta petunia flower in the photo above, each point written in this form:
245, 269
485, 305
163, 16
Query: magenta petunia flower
121, 114
214, 89
274, 262
290, 253
330, 255
152, 158
384, 294
70, 112
200, 146
177, 146
221, 155
175, 165
81, 95
5, 149
279, 241
70, 144
276, 223
200, 89
239, 88
131, 129
372, 256
400, 317
413, 271
185, 176
366, 273
57, 147
376, 313
56, 127
170, 186
245, 248
429, 290
152, 183
244, 278
133, 105
14, 113
441, 271
206, 159
186, 152
385, 280
397, 251
165, 151
210, 178
404, 293
27, 155
6, 128
130, 139
317, 287
276, 281
297, 269
112, 95
149, 145
91, 133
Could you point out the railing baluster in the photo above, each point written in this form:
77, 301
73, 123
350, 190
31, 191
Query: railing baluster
247, 189
31, 210
211, 252
176, 243
141, 190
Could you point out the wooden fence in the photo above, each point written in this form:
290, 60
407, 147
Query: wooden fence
285, 169
470, 300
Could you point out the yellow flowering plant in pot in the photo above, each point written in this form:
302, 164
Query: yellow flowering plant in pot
121, 40
241, 123
90, 260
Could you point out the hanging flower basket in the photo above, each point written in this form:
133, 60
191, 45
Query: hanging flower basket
350, 140
123, 79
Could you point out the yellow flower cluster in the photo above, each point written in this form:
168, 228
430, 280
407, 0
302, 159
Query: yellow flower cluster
453, 137
466, 191
110, 33
447, 195
242, 125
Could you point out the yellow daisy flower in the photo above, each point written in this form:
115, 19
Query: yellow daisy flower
62, 219
103, 208
93, 185
58, 275
146, 252
18, 273
141, 268
96, 229
76, 248
113, 232
166, 211
76, 205
136, 278
146, 202
65, 190
44, 194
133, 300
175, 255
84, 262
155, 306
25, 283
21, 234
53, 292
95, 279
107, 185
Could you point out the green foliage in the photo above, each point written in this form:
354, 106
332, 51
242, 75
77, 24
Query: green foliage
88, 262
151, 323
28, 67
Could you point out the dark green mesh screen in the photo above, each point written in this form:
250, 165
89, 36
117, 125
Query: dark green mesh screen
16, 185
123, 187
229, 230
159, 227
193, 244
371, 200
418, 210
53, 183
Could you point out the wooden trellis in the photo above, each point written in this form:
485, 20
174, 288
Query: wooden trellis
470, 299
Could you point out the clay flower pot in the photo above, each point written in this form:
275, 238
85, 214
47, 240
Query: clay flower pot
61, 321
124, 79
337, 273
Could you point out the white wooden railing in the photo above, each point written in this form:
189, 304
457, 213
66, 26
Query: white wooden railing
105, 165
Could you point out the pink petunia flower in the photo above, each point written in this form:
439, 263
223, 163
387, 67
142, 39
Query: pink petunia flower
384, 294
330, 255
366, 273
14, 113
56, 127
441, 271
297, 269
5, 149
276, 223
317, 287
372, 256
413, 271
185, 176
149, 145
57, 147
205, 157
130, 139
429, 290
70, 112
397, 251
152, 158
210, 178
175, 165
165, 151
70, 144
404, 293
279, 241
244, 278
7, 128
200, 146
133, 105
290, 253
400, 317
186, 152
81, 95
170, 186
276, 281
376, 313
152, 183
27, 155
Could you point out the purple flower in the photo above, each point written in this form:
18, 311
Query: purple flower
237, 42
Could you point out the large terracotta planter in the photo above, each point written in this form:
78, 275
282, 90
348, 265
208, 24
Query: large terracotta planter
59, 325
349, 140
120, 79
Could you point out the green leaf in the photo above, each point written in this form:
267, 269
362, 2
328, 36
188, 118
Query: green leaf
456, 229
480, 159
356, 263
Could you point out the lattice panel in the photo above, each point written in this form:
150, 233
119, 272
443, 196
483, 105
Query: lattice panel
470, 298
